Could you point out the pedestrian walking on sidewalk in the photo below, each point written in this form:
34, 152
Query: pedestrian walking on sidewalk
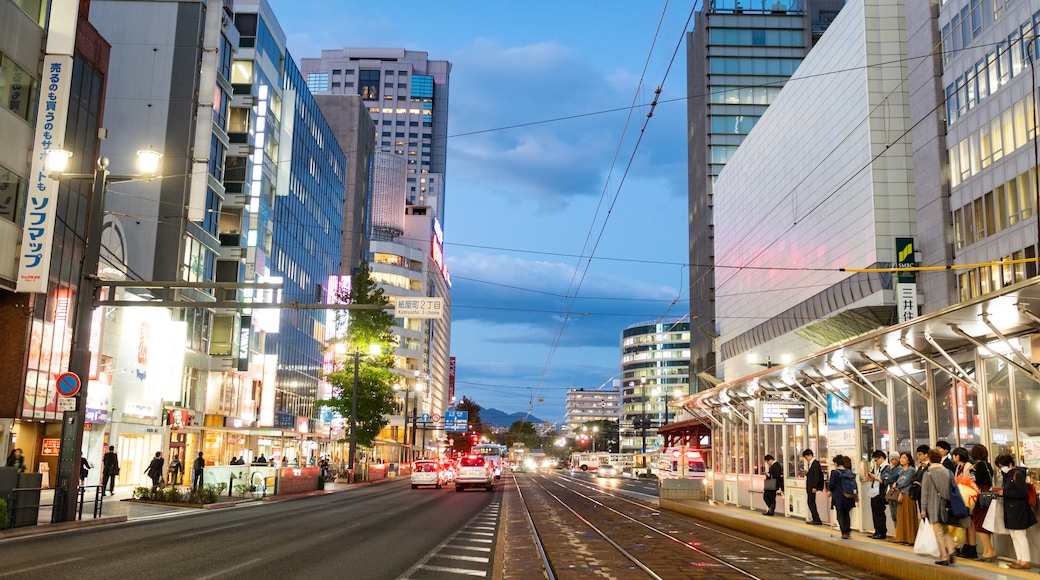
84, 469
197, 468
813, 484
774, 484
155, 469
109, 471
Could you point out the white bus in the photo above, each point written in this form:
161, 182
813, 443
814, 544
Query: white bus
492, 452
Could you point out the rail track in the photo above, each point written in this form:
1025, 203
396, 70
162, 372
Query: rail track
583, 529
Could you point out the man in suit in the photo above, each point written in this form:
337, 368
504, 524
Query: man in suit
947, 461
813, 484
110, 463
775, 474
877, 478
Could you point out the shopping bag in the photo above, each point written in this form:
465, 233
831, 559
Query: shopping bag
994, 521
926, 544
959, 534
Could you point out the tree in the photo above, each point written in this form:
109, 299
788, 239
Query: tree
375, 379
523, 432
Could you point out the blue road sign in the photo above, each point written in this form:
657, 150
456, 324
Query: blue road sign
456, 421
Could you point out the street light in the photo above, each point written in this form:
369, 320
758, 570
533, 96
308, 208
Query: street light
677, 393
373, 350
69, 454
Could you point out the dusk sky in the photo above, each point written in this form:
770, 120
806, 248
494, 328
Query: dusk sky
548, 102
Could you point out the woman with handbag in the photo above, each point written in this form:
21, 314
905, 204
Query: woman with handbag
891, 491
907, 522
966, 485
935, 503
1018, 514
983, 473
842, 500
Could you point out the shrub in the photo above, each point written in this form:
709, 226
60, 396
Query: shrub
3, 514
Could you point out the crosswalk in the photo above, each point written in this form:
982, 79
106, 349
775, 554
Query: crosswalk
465, 554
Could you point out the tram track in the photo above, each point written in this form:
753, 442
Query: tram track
615, 536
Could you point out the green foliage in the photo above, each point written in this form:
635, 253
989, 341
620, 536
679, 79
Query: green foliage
204, 495
375, 401
464, 443
3, 514
523, 432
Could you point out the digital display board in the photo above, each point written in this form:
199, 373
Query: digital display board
780, 412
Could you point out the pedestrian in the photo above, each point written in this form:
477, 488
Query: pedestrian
983, 472
813, 484
84, 469
877, 477
962, 461
16, 460
946, 461
890, 483
907, 521
176, 469
1018, 514
155, 469
109, 471
774, 484
935, 502
197, 468
261, 460
840, 488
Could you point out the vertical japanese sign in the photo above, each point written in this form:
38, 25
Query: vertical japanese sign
38, 232
451, 378
906, 282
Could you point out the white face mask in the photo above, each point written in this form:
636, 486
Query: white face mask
1005, 469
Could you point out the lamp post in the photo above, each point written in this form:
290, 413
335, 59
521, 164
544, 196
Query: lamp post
352, 452
70, 454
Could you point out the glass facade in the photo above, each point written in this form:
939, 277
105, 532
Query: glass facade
655, 368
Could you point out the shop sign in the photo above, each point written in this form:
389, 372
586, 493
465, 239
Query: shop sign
303, 424
451, 378
180, 418
51, 446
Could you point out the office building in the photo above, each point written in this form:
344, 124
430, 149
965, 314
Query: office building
655, 370
585, 405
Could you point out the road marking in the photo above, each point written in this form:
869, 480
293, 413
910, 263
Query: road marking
476, 533
226, 570
470, 548
31, 568
465, 558
476, 540
209, 531
463, 571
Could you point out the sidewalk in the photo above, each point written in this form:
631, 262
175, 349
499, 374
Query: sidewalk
893, 560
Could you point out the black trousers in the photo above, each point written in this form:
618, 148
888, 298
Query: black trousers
770, 498
844, 519
196, 479
810, 500
877, 510
109, 482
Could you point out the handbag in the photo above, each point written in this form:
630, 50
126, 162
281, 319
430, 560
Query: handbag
115, 471
892, 494
985, 499
926, 544
770, 485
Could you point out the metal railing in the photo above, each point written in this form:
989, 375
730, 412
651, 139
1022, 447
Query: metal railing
31, 498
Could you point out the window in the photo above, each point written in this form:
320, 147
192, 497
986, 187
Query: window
12, 195
17, 88
318, 82
368, 84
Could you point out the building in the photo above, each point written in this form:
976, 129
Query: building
583, 406
406, 95
655, 367
738, 58
36, 312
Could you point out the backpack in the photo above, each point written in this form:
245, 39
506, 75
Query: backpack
849, 487
1030, 491
915, 490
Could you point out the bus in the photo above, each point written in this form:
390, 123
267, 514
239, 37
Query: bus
493, 452
670, 464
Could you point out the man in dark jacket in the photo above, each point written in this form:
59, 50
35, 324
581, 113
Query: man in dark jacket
813, 484
946, 461
155, 469
922, 466
197, 468
877, 477
110, 469
774, 480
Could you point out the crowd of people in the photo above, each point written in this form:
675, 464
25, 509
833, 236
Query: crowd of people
918, 490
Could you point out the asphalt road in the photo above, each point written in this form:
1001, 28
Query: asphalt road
373, 532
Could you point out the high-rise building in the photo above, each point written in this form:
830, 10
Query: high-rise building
406, 95
739, 56
655, 370
973, 113
585, 405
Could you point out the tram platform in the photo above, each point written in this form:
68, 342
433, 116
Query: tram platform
882, 557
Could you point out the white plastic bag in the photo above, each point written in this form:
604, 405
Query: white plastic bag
994, 521
926, 544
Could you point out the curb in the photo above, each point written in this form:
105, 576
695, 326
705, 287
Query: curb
893, 565
59, 527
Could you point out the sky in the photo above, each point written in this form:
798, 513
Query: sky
566, 205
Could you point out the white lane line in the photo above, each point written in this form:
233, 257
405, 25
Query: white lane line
469, 533
464, 558
231, 569
31, 568
470, 548
463, 571
209, 531
475, 540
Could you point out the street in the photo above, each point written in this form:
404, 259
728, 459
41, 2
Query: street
372, 532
